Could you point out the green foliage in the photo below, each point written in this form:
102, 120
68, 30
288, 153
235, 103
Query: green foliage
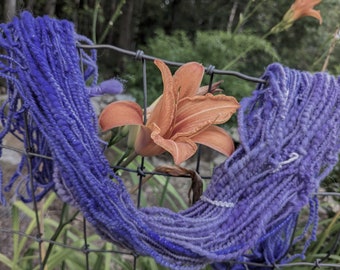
163, 192
218, 48
26, 251
327, 247
63, 236
175, 47
223, 48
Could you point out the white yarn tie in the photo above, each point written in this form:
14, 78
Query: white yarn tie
292, 157
217, 203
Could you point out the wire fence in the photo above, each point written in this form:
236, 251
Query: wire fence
45, 233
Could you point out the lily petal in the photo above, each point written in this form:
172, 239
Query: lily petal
145, 145
312, 13
181, 149
216, 138
195, 112
187, 79
302, 8
214, 89
164, 110
120, 113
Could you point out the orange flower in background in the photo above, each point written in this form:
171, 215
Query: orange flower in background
178, 119
302, 8
299, 9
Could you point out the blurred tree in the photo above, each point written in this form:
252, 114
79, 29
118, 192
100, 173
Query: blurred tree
9, 9
132, 24
50, 7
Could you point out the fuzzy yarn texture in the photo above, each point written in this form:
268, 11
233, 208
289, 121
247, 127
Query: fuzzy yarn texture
290, 141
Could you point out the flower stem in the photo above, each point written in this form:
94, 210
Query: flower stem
244, 53
331, 48
127, 158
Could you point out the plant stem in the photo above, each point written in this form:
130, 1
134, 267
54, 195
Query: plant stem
130, 157
246, 15
112, 20
58, 231
94, 21
161, 201
331, 48
244, 53
145, 179
126, 158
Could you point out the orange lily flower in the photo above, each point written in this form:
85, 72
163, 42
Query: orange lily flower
179, 118
302, 8
299, 9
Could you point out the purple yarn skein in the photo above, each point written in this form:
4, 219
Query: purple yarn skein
290, 141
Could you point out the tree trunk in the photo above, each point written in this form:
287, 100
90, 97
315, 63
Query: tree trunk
232, 16
50, 7
9, 9
30, 5
126, 27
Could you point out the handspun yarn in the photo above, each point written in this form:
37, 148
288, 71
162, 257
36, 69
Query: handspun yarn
290, 141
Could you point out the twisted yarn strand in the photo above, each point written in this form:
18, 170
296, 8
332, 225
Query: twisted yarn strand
289, 132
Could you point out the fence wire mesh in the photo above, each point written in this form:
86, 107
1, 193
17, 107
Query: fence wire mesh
48, 234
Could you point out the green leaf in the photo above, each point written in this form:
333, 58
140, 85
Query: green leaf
98, 265
25, 209
28, 258
322, 238
49, 201
6, 261
15, 236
